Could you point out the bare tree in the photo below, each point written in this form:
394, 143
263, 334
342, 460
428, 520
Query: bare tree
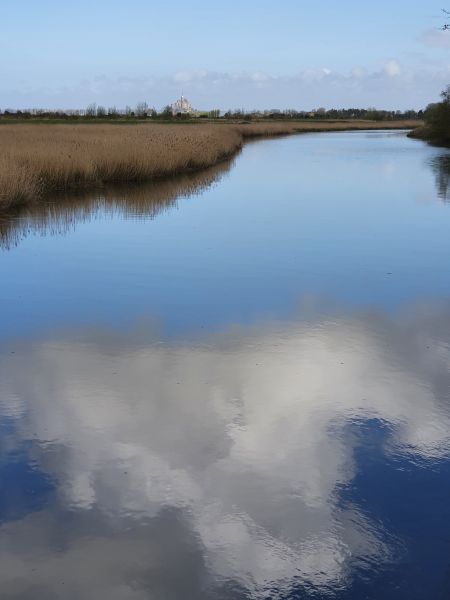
91, 110
446, 25
141, 109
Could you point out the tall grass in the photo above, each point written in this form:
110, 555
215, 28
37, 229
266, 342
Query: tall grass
36, 160
59, 213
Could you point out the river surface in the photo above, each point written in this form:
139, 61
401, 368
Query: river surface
234, 384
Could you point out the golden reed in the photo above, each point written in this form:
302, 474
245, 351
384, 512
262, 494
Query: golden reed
38, 159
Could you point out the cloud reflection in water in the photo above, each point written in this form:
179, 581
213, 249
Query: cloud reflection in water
219, 460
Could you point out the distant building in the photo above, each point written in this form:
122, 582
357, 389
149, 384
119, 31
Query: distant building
182, 106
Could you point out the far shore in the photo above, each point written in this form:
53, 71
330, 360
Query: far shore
38, 159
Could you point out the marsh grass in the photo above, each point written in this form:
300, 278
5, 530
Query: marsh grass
60, 213
37, 160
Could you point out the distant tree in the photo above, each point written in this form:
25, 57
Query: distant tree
91, 110
166, 112
375, 115
101, 112
446, 25
141, 109
445, 95
437, 117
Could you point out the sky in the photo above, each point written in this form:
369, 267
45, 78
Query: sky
227, 55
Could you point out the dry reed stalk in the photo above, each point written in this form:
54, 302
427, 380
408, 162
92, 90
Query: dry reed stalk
59, 213
37, 159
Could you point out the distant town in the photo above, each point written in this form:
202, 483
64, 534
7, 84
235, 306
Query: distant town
182, 109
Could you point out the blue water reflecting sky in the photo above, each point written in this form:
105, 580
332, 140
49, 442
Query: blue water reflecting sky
244, 396
352, 217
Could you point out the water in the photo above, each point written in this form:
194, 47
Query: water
234, 384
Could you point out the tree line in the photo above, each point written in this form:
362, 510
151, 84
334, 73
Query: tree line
142, 111
371, 114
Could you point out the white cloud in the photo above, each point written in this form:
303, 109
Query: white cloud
190, 76
392, 68
259, 77
392, 86
358, 72
315, 74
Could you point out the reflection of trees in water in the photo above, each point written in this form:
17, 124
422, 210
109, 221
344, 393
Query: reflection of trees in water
62, 213
441, 167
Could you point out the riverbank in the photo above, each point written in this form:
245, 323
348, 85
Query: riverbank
39, 159
426, 134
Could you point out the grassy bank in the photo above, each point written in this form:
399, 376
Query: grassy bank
38, 159
57, 214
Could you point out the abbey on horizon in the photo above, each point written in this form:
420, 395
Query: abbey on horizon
181, 106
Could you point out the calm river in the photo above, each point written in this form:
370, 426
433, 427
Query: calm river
232, 385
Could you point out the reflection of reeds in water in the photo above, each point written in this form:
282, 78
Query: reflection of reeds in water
441, 167
61, 214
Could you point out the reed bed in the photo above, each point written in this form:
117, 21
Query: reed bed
40, 159
60, 213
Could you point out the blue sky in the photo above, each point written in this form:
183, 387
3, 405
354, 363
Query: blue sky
285, 54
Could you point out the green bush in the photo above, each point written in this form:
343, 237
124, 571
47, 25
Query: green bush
437, 117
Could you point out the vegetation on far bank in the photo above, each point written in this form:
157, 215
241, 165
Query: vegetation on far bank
436, 129
142, 112
37, 160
